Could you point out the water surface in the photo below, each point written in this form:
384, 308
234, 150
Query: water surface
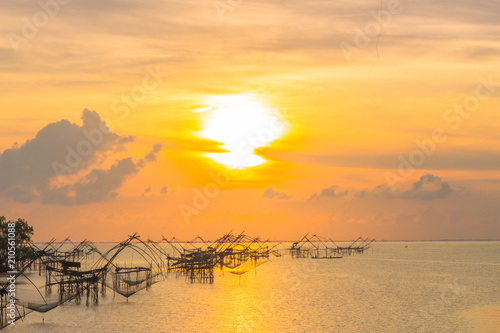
424, 287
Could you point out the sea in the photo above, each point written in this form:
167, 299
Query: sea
427, 286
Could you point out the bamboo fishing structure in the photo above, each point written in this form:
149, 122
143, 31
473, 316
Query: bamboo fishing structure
83, 271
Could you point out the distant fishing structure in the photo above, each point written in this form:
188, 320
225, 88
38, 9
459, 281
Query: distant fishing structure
315, 248
83, 272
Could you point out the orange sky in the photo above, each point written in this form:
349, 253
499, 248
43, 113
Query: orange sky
350, 96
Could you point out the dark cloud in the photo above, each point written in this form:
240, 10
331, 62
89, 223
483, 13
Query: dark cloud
151, 157
37, 170
146, 191
428, 187
330, 192
361, 194
271, 193
163, 190
96, 186
61, 144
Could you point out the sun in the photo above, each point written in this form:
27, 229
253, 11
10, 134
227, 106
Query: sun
241, 123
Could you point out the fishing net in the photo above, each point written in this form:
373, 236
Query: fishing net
128, 281
33, 300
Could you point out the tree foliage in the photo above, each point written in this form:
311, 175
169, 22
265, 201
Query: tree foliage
23, 233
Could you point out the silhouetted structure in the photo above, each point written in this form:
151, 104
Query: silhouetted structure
79, 271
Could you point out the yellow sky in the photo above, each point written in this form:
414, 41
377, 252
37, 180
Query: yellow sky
389, 114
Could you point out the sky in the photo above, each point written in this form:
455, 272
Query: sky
184, 118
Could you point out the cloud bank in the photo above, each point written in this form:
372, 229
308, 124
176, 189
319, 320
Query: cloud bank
60, 165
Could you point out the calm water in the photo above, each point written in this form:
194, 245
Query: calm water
426, 287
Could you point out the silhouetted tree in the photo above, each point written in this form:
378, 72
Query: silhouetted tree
23, 233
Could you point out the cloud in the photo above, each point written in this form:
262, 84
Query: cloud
62, 143
163, 190
428, 187
146, 191
361, 194
271, 193
151, 157
96, 186
38, 169
330, 192
452, 159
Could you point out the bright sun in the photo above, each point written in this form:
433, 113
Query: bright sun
241, 123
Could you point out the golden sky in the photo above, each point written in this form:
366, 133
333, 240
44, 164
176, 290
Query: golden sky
341, 118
